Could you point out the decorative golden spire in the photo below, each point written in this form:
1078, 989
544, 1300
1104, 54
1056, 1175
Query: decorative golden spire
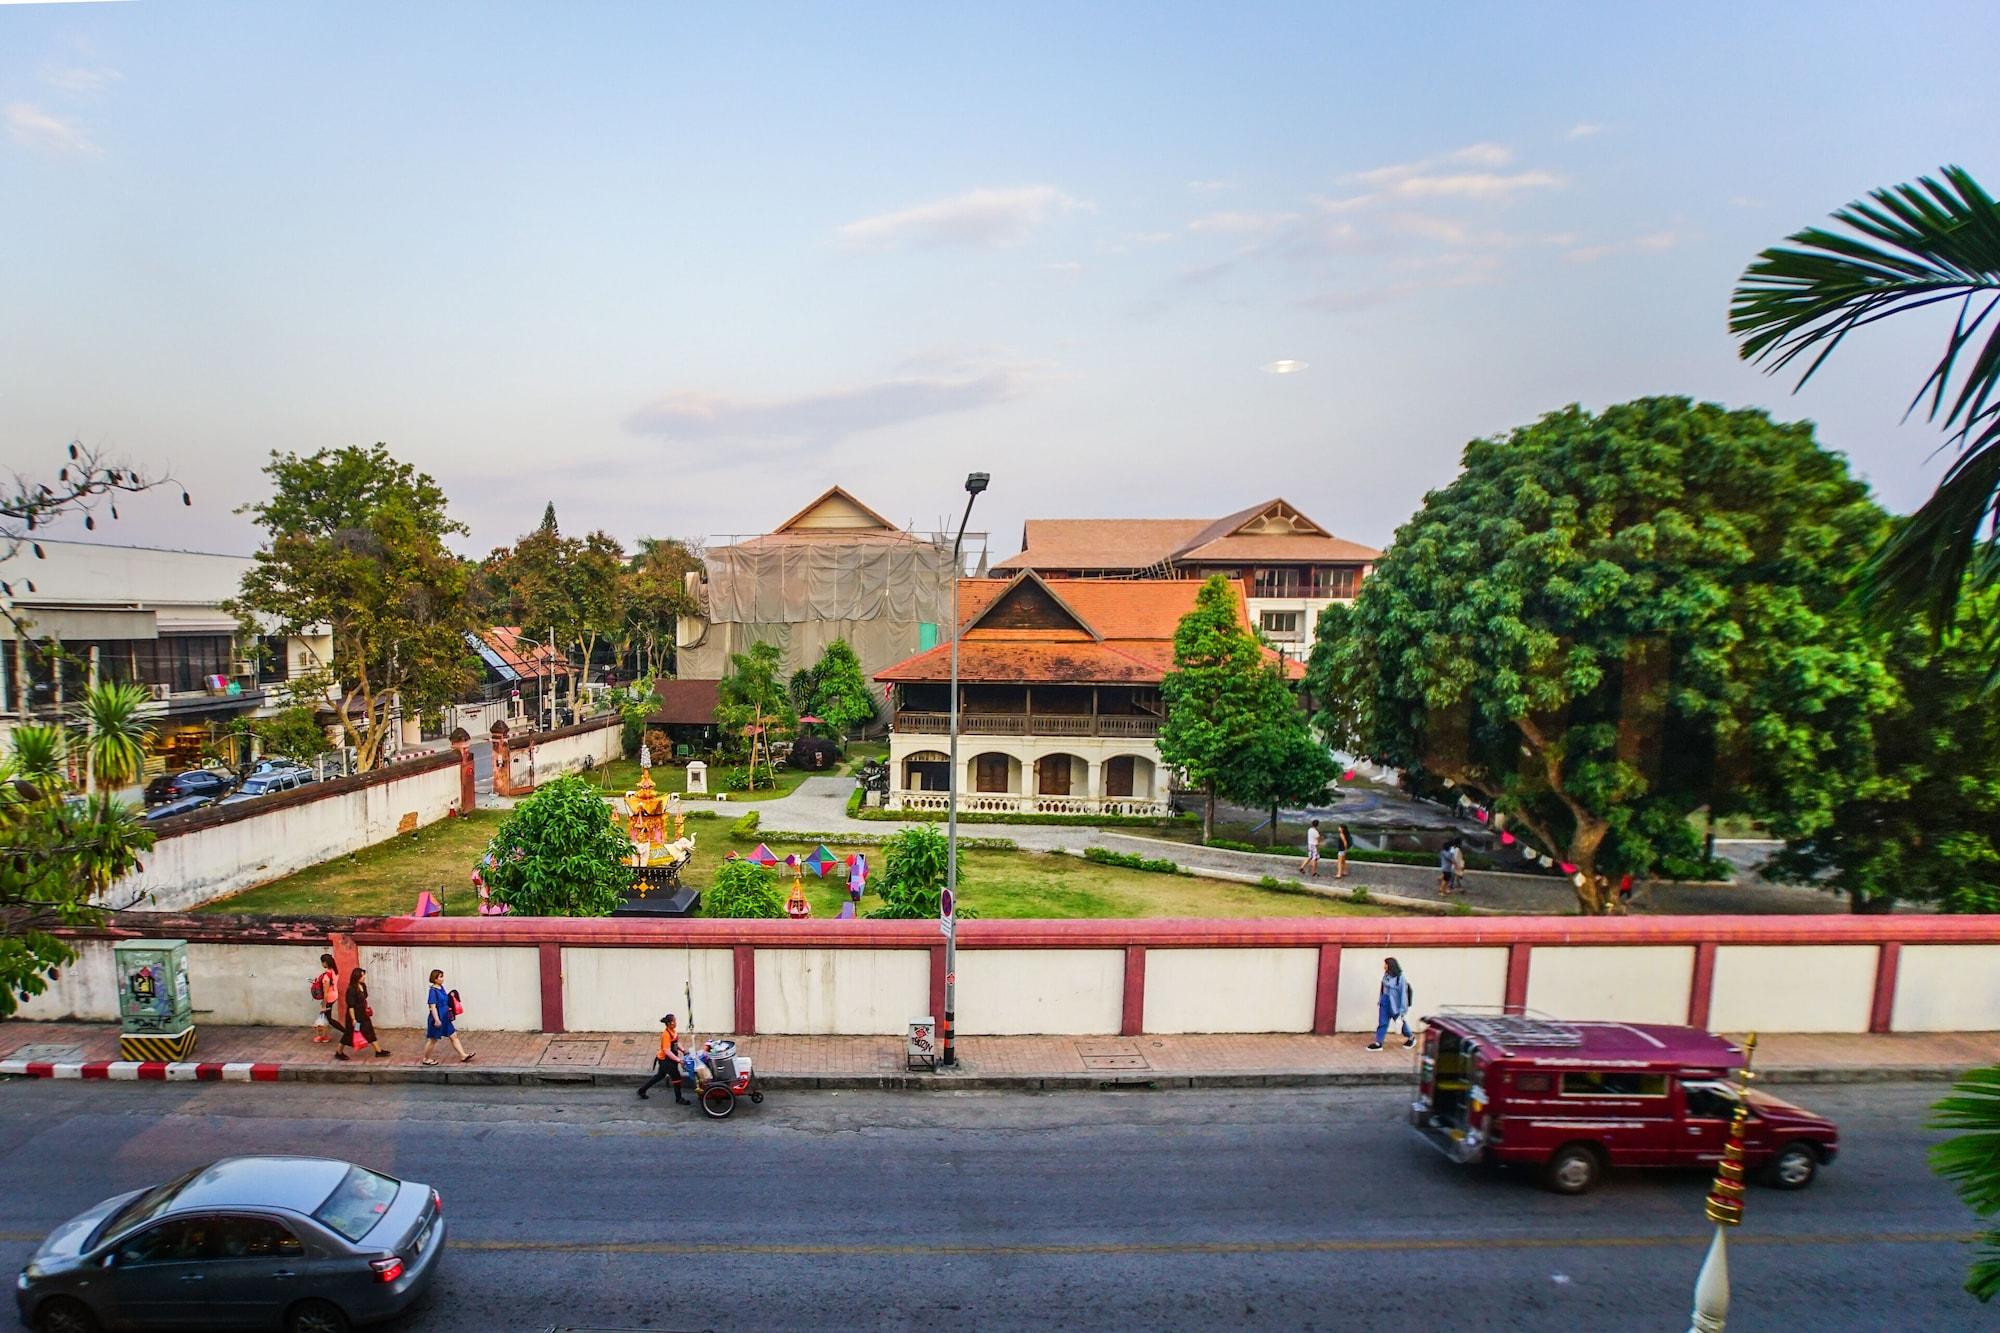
1725, 1200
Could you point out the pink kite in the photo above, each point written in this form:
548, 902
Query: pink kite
763, 856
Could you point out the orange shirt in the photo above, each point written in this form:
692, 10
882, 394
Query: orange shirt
668, 1036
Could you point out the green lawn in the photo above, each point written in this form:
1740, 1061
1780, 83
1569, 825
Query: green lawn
385, 880
622, 775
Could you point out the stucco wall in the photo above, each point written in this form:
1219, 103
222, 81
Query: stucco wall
254, 983
841, 991
1230, 990
1004, 992
1442, 978
1633, 983
1948, 988
630, 990
1792, 988
201, 864
500, 987
534, 760
87, 990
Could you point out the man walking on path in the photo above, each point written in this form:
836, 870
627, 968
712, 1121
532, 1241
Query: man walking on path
1311, 863
1444, 871
1393, 1006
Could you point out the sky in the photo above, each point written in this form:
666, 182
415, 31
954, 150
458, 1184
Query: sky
679, 268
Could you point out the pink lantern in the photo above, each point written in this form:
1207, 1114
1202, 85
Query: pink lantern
1568, 869
1348, 776
1506, 840
1479, 815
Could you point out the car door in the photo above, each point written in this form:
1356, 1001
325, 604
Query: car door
256, 1270
1707, 1110
159, 1276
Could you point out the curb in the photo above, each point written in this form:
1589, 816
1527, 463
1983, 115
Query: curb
1428, 906
151, 1071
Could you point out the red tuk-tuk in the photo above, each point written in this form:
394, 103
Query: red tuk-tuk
1577, 1098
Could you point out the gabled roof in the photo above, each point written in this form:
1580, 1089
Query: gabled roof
835, 498
685, 702
501, 648
1016, 590
1274, 530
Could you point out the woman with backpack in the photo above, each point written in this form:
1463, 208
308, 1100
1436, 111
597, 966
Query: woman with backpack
1394, 1005
324, 987
442, 1006
359, 1029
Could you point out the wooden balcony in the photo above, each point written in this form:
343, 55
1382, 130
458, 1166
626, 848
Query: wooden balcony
1029, 724
1014, 803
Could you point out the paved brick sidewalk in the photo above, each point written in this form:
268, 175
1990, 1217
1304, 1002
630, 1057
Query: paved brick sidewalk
1010, 1062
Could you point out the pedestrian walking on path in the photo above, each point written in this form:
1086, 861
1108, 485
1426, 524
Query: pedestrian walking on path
667, 1064
358, 1029
1394, 1005
440, 1022
324, 987
1311, 863
1341, 842
1457, 866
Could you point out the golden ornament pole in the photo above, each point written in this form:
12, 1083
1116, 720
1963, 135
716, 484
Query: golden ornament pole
1725, 1209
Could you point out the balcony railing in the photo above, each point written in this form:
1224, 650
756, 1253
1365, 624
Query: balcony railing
1009, 803
1029, 724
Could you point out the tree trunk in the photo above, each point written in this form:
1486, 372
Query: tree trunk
1271, 833
1208, 815
1594, 896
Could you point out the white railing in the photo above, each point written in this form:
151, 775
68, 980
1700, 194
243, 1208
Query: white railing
1010, 803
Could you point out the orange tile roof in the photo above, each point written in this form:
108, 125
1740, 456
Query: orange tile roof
1300, 548
1140, 543
531, 660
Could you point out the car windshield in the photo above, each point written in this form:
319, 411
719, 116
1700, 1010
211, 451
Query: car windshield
146, 1206
257, 786
358, 1202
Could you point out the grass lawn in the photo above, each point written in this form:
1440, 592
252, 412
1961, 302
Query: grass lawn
385, 880
622, 775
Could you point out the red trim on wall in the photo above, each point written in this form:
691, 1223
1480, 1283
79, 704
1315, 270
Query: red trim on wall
346, 957
1326, 1001
1701, 988
745, 959
937, 976
468, 783
1517, 975
549, 956
1134, 1021
1882, 1013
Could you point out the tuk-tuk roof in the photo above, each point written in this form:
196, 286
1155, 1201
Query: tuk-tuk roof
1517, 1036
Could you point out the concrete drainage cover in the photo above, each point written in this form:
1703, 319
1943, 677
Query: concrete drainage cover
51, 1053
573, 1053
1104, 1056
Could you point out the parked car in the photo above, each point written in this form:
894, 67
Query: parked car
1576, 1099
179, 806
306, 1244
268, 782
213, 783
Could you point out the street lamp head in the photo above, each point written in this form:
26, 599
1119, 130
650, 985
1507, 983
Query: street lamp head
975, 482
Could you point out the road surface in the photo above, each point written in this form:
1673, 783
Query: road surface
1277, 1209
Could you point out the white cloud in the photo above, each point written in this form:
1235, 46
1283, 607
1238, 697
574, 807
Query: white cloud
80, 80
1583, 129
1475, 184
691, 414
1434, 178
984, 217
32, 127
1244, 224
1065, 266
1285, 367
1210, 187
1744, 201
1651, 243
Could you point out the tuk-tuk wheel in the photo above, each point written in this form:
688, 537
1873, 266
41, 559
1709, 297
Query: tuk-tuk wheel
1573, 1169
756, 1099
717, 1100
1793, 1168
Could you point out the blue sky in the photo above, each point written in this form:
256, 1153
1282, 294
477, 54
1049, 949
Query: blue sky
678, 269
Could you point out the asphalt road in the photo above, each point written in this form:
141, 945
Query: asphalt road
588, 1209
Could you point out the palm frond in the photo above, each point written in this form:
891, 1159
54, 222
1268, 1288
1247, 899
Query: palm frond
1971, 1161
1906, 247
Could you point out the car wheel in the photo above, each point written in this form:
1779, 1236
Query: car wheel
1575, 1169
1793, 1168
64, 1315
316, 1317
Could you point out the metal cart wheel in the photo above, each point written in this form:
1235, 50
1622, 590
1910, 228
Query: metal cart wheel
717, 1100
756, 1098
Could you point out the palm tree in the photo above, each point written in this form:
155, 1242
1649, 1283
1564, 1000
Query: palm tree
1972, 1160
1907, 247
38, 756
113, 724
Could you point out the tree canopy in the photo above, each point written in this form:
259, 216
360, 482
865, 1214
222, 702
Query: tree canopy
558, 854
1610, 621
835, 690
1285, 764
354, 540
1216, 698
751, 702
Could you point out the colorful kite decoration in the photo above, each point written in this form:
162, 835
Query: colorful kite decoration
763, 856
821, 860
857, 875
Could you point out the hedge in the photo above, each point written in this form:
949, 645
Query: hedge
1133, 861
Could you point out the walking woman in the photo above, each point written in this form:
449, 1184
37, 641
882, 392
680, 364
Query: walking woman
438, 1025
360, 1018
1341, 842
667, 1064
325, 987
1393, 1006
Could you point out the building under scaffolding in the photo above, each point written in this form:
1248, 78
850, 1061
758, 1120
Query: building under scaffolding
834, 570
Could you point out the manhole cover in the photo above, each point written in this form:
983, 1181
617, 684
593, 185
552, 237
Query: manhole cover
50, 1052
1099, 1062
573, 1053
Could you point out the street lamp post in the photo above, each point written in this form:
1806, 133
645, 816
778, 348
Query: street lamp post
975, 482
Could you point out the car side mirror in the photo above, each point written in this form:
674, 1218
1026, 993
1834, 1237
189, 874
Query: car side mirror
111, 1259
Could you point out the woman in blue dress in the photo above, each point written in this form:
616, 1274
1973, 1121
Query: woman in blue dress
438, 1026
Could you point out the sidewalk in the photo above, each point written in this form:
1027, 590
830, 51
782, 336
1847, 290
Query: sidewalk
1021, 1063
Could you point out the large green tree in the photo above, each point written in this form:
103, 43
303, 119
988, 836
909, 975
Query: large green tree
655, 598
1286, 764
751, 702
1610, 621
1918, 814
559, 854
354, 540
572, 588
1215, 698
1903, 249
839, 693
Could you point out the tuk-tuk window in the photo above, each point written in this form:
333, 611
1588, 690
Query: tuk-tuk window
1533, 1083
1613, 1083
1709, 1102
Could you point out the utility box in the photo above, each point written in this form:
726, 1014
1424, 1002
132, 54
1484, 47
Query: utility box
697, 778
155, 1011
920, 1045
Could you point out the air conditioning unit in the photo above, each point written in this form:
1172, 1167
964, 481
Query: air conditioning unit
242, 668
160, 693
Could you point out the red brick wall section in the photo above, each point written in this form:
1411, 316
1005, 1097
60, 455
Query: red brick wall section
937, 977
1517, 975
1134, 1021
1702, 988
346, 957
550, 957
1883, 1012
744, 958
1326, 1000
468, 784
